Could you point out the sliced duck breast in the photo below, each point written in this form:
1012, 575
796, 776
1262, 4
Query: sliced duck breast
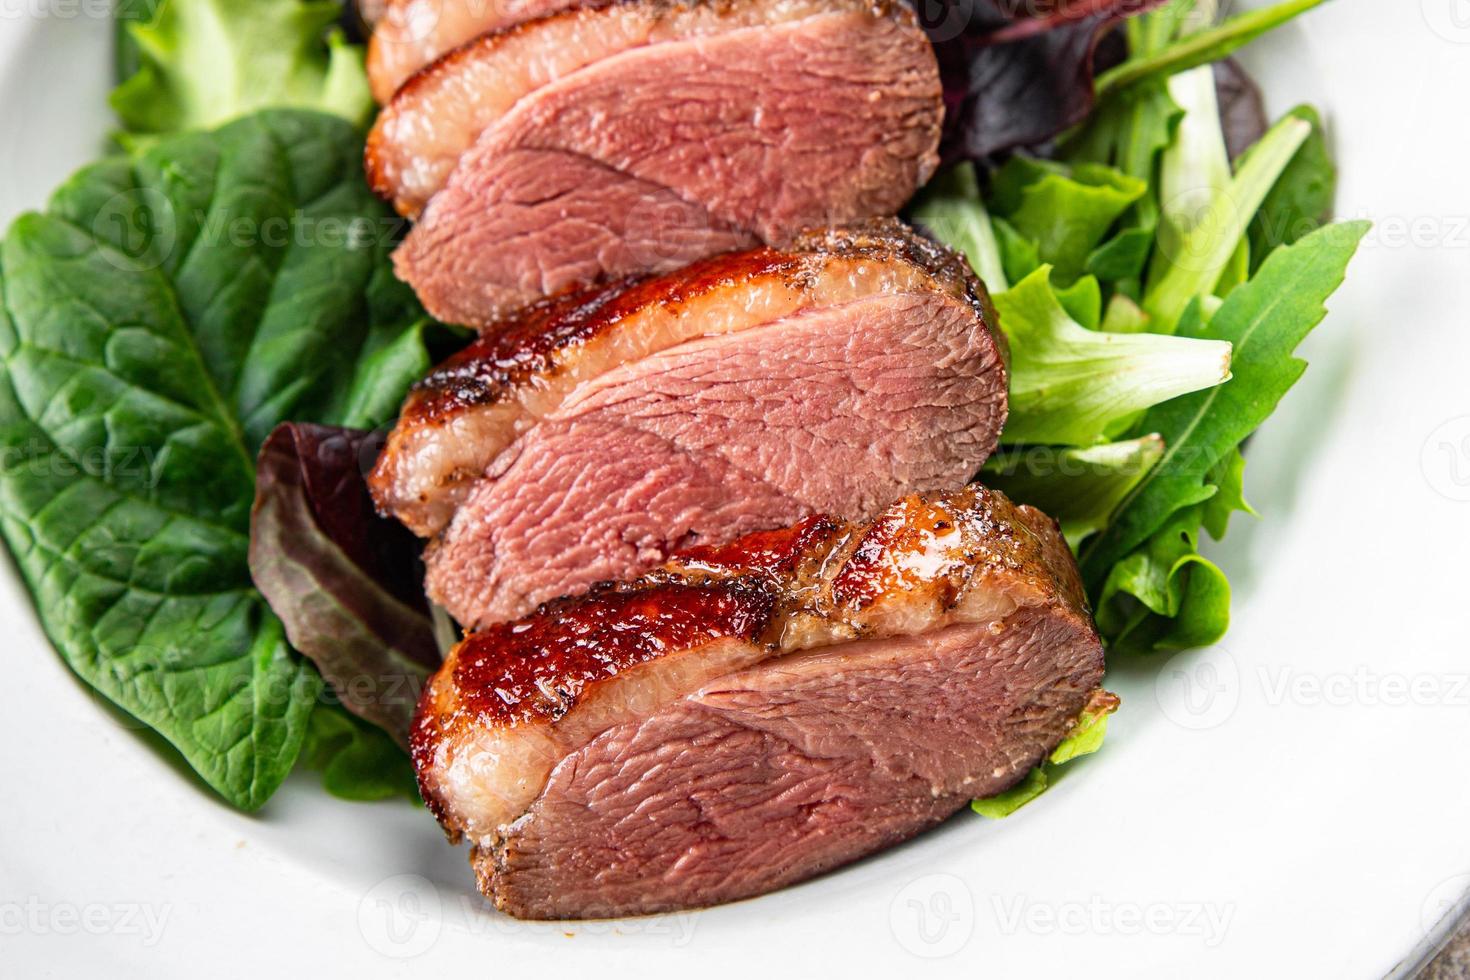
592, 439
658, 155
438, 115
750, 715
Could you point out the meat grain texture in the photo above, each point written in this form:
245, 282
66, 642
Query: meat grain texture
598, 435
750, 715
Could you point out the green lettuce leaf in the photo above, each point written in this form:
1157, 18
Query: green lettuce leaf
1065, 211
1124, 316
156, 322
1019, 257
1080, 488
950, 209
1122, 257
1194, 170
1151, 33
1129, 133
1265, 319
1191, 263
1169, 263
202, 63
1070, 384
1082, 301
1002, 805
1165, 595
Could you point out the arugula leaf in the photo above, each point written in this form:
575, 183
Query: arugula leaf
202, 63
1301, 200
1228, 479
158, 320
1200, 48
1070, 384
1265, 319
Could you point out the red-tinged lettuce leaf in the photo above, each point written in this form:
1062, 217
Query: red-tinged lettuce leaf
1016, 74
1242, 112
344, 581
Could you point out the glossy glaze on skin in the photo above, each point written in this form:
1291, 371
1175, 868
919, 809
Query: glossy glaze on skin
775, 553
537, 668
927, 563
459, 419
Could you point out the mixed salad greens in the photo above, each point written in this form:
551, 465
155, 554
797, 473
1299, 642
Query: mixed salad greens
205, 324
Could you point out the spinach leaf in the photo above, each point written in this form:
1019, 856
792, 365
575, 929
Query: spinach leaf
156, 322
357, 761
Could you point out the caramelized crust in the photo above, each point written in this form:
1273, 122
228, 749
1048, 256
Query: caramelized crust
466, 412
513, 700
509, 356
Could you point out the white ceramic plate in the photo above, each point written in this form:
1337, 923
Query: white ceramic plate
1293, 802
